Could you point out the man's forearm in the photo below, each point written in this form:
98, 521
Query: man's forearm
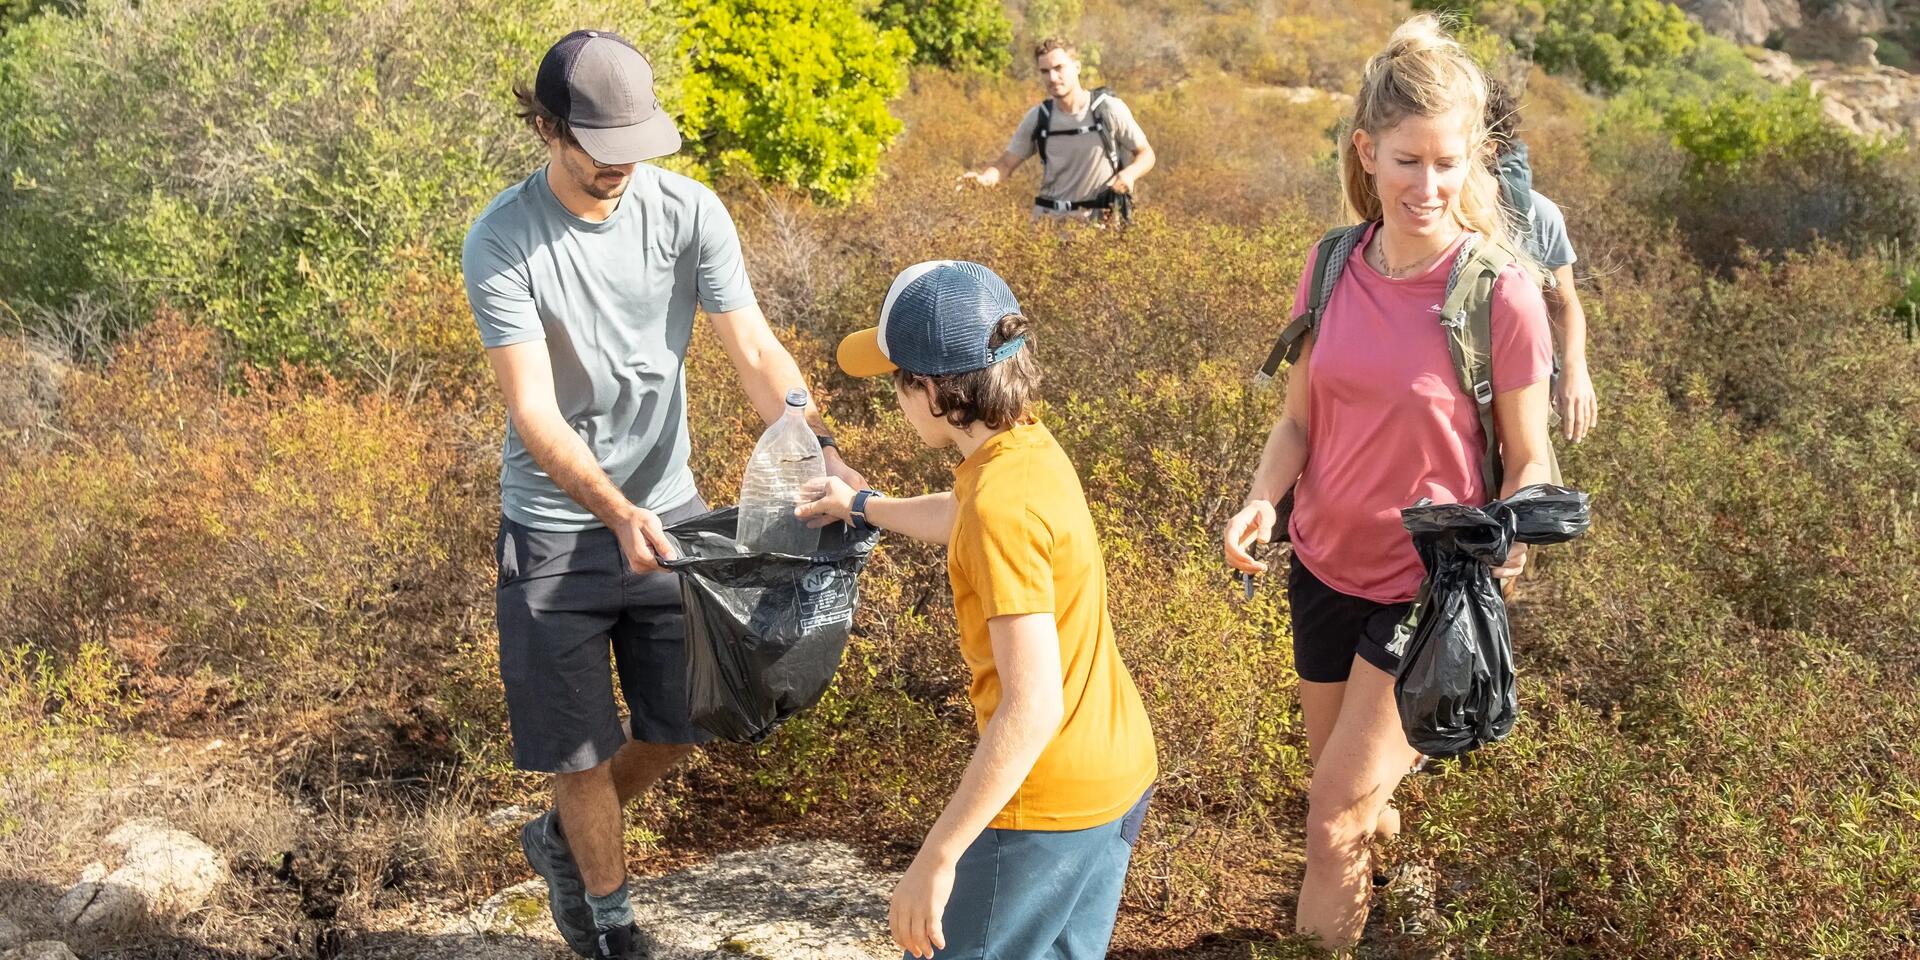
1142, 162
1567, 318
767, 372
571, 465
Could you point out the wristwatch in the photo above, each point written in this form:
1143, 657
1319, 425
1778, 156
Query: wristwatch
859, 510
826, 440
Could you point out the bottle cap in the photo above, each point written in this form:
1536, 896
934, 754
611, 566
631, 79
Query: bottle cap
797, 397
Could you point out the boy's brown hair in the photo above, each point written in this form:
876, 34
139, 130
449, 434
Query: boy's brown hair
996, 397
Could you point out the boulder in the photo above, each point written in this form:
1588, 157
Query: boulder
40, 950
10, 935
162, 870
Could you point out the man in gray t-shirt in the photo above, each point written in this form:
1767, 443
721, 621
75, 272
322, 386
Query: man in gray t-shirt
1080, 176
584, 279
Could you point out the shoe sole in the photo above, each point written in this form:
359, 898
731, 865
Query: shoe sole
545, 868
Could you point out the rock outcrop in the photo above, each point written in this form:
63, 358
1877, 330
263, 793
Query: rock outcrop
1872, 101
797, 901
1811, 23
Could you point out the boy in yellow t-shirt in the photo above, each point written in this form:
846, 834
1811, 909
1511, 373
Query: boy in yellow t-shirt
1029, 856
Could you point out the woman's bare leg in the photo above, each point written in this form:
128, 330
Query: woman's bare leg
1359, 766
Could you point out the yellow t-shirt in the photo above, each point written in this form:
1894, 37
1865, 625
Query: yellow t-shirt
1023, 542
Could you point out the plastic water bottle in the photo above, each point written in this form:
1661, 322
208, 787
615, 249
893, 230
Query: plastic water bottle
787, 456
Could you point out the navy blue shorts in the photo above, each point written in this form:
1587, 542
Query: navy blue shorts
572, 615
1330, 628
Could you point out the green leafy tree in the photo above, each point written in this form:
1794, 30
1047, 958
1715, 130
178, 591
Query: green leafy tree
956, 34
1608, 43
793, 91
1612, 43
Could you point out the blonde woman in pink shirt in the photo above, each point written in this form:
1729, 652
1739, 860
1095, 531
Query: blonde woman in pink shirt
1375, 419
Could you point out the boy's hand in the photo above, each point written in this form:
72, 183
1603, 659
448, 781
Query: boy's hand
1254, 522
918, 904
825, 500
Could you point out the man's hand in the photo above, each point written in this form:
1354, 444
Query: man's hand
825, 500
1574, 400
1122, 183
918, 904
837, 467
981, 178
642, 540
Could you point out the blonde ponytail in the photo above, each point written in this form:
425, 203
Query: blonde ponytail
1424, 72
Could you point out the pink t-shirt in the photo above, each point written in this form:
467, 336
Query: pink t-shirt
1388, 422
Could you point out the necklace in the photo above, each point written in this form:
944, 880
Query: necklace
1377, 257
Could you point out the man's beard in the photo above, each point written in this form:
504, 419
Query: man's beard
588, 177
603, 191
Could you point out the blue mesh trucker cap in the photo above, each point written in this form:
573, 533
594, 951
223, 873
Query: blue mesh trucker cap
937, 319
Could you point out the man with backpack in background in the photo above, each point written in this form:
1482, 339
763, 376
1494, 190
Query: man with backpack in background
1542, 229
1092, 151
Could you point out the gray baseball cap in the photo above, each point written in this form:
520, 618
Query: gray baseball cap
603, 88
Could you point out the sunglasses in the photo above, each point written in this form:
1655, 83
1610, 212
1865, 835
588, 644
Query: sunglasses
574, 142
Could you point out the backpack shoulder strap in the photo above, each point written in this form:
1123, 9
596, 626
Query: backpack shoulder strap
1467, 314
1100, 111
1330, 261
1042, 129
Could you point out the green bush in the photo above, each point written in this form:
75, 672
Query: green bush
1725, 133
792, 91
285, 170
957, 34
1608, 43
16, 11
1740, 163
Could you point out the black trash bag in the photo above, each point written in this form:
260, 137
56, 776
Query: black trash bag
765, 631
1455, 689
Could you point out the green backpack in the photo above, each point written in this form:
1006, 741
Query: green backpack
1466, 313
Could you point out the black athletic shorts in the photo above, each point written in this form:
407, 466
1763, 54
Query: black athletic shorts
1330, 628
572, 615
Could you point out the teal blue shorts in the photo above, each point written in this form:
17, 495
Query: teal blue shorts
1041, 894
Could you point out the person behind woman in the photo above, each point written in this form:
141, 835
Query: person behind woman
1374, 420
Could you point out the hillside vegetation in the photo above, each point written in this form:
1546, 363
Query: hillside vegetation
248, 450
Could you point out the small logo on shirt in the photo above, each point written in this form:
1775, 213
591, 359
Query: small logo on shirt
1434, 309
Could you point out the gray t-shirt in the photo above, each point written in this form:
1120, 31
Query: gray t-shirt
1077, 167
614, 302
1547, 239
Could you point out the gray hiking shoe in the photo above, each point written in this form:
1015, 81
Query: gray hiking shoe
547, 853
621, 943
